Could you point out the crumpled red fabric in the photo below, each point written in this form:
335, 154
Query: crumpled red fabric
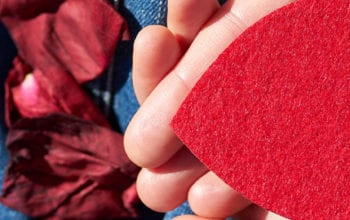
78, 36
67, 168
66, 162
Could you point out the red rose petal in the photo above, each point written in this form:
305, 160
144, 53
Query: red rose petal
31, 100
272, 115
26, 9
65, 168
61, 39
55, 91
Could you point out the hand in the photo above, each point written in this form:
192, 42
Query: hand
167, 64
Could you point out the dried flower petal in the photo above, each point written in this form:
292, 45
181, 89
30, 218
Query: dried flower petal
26, 9
65, 168
78, 36
50, 92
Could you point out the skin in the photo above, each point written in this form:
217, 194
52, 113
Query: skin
167, 64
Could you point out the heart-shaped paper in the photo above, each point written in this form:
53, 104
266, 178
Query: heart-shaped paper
271, 116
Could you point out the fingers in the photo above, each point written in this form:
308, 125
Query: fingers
156, 51
212, 198
186, 17
148, 70
150, 141
166, 187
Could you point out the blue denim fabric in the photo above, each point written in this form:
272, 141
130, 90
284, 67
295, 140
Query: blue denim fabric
183, 209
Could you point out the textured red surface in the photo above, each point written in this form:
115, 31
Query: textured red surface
271, 116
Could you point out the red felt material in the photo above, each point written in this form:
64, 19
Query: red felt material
271, 116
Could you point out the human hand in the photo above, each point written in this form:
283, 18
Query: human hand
163, 76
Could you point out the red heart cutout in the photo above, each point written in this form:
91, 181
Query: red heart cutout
271, 116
